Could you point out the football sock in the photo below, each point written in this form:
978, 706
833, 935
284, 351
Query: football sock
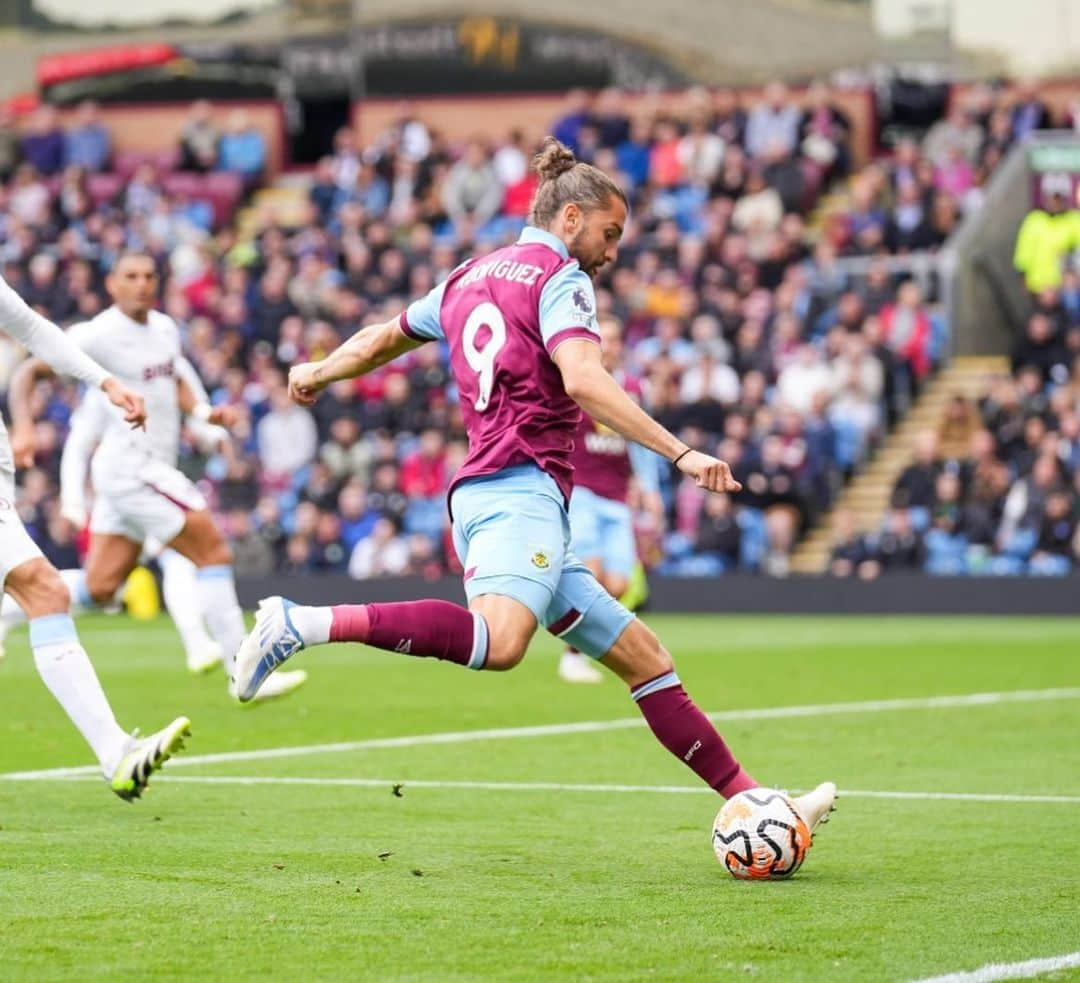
221, 610
689, 735
75, 580
429, 629
180, 591
65, 669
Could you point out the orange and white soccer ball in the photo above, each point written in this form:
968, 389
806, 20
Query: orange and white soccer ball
759, 835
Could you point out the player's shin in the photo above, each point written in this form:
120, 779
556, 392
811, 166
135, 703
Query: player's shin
66, 671
687, 733
430, 629
180, 590
221, 610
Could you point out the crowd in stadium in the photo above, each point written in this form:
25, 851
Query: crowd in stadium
750, 339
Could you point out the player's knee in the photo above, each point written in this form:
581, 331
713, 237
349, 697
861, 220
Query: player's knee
504, 655
102, 587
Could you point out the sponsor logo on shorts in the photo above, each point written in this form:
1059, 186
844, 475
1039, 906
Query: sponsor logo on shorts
540, 560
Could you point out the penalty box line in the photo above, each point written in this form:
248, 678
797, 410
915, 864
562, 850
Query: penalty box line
586, 727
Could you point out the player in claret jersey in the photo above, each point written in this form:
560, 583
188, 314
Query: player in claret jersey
601, 523
525, 353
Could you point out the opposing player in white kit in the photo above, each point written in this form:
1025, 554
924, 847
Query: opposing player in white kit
179, 575
34, 583
140, 494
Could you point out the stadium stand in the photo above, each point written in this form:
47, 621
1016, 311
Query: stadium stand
752, 336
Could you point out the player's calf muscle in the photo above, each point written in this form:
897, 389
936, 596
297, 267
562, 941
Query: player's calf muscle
637, 655
38, 589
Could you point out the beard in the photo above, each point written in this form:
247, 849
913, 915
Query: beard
590, 264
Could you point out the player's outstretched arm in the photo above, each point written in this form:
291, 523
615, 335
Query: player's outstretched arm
589, 384
23, 380
364, 352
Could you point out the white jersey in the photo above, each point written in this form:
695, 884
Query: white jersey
47, 342
145, 357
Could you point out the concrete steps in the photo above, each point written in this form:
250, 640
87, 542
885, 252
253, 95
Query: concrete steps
867, 495
283, 204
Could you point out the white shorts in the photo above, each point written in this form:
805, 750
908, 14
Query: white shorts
153, 506
16, 546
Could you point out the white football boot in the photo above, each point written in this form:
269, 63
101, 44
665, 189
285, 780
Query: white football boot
815, 806
272, 641
144, 756
574, 667
205, 659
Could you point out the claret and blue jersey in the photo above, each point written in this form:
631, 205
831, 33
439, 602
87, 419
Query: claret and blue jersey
503, 316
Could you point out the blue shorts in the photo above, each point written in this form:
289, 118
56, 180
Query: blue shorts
512, 535
603, 529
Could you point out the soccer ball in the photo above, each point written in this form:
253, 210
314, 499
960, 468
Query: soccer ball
759, 835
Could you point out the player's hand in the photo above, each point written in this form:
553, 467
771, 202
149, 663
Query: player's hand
304, 383
128, 400
75, 516
23, 443
710, 473
224, 416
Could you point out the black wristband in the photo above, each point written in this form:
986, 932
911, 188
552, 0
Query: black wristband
682, 455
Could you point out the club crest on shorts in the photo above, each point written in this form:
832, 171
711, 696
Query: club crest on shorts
540, 560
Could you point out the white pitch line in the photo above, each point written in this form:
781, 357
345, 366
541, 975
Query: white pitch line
575, 787
586, 727
992, 972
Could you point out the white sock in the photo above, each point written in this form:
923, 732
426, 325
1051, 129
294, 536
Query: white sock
313, 624
221, 610
180, 589
75, 579
66, 670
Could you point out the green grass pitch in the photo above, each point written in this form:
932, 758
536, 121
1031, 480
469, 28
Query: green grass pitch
473, 876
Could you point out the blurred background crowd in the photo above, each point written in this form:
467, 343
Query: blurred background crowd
753, 338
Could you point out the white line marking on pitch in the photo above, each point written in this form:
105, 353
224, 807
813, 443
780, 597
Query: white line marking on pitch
573, 787
992, 972
586, 727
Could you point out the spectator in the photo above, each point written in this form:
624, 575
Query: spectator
287, 439
87, 143
1047, 235
899, 548
719, 534
915, 488
906, 327
957, 133
423, 473
801, 382
772, 126
1029, 112
567, 128
1041, 348
472, 193
825, 132
383, 553
850, 554
199, 139
253, 556
43, 143
242, 148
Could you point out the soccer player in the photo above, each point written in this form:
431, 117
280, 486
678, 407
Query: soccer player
140, 494
521, 327
127, 762
179, 575
601, 524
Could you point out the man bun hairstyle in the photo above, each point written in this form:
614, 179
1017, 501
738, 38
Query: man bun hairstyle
565, 179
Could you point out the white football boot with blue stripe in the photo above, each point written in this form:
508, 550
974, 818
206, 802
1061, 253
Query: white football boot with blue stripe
272, 641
